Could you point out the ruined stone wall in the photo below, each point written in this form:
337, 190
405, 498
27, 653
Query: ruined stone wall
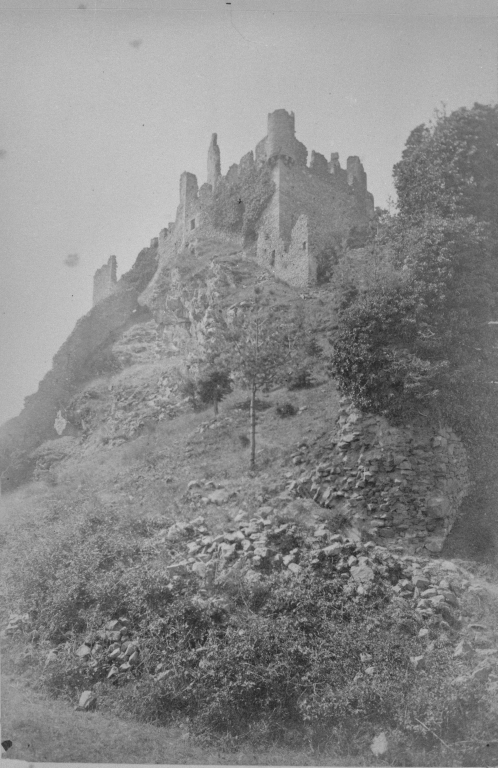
105, 280
404, 484
330, 209
331, 206
295, 265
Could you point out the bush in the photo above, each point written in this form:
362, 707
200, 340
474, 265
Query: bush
212, 386
300, 379
303, 657
417, 337
286, 409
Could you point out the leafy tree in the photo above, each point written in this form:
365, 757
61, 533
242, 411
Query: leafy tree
449, 167
259, 346
417, 339
213, 385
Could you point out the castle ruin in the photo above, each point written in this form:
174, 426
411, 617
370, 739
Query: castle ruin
314, 211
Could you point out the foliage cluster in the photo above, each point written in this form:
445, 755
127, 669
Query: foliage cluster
449, 167
209, 387
416, 339
288, 657
238, 203
263, 345
286, 409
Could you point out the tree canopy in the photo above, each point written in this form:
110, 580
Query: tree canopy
449, 167
417, 339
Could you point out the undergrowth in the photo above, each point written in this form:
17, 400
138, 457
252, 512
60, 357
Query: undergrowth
294, 659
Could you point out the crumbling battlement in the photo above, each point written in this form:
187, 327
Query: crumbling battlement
105, 280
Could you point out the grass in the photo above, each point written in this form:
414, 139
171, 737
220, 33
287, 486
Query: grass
144, 478
44, 730
147, 479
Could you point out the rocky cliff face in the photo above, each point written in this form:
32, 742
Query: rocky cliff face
118, 371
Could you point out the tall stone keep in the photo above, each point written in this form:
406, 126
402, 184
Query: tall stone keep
213, 162
105, 280
281, 134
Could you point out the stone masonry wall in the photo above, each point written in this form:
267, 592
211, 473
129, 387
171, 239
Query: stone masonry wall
331, 206
105, 280
294, 265
404, 484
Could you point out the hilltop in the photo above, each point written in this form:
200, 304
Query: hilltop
295, 603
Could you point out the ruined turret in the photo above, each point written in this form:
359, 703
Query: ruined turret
356, 172
281, 139
213, 162
105, 280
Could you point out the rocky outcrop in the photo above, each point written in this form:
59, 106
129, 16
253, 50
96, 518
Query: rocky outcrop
404, 484
82, 356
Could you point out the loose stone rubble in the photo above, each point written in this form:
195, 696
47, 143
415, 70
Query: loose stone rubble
404, 484
285, 541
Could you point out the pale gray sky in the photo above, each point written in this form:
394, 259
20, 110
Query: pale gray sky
102, 108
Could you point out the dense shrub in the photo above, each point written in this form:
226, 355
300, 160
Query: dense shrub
449, 167
415, 338
302, 378
300, 657
286, 409
213, 385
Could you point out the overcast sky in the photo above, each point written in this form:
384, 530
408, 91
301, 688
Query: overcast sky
102, 107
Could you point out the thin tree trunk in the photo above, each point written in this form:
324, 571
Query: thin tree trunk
253, 426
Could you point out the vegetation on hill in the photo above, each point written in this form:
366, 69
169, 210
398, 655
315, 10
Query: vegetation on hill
143, 269
417, 339
152, 568
261, 347
449, 167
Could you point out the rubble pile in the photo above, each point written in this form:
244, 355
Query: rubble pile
275, 541
404, 484
286, 542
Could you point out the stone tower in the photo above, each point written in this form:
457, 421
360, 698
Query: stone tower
281, 139
105, 280
281, 134
213, 162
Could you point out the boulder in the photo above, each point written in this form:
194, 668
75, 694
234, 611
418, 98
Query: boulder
83, 651
221, 496
462, 649
481, 673
87, 702
362, 573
